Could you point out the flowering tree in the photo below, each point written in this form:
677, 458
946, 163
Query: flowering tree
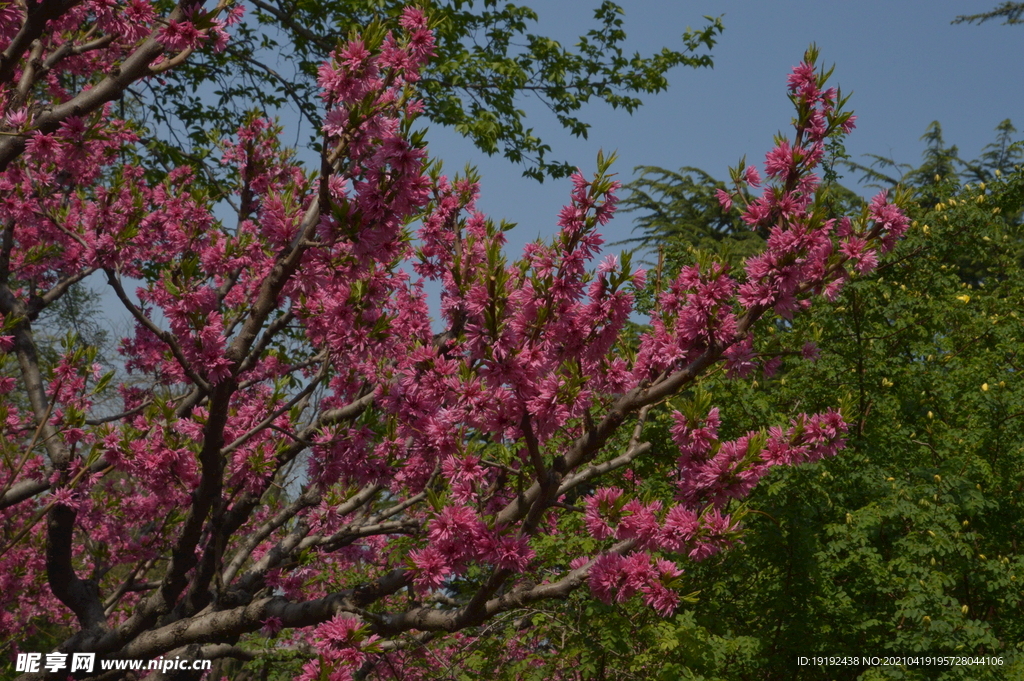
300, 450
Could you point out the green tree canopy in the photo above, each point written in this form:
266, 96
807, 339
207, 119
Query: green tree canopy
488, 61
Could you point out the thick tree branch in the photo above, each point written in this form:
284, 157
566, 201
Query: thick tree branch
234, 622
80, 595
37, 305
267, 298
308, 498
597, 470
433, 619
133, 68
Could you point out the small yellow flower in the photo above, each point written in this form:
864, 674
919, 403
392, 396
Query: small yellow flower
965, 298
984, 387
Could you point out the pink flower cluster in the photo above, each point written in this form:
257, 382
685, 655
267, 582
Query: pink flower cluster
458, 537
712, 472
343, 646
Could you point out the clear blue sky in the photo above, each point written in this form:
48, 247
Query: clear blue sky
904, 63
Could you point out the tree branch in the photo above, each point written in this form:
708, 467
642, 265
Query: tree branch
167, 338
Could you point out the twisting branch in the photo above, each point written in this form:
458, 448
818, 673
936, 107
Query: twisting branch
597, 470
28, 75
433, 619
167, 338
634, 450
36, 305
347, 535
273, 329
273, 416
249, 618
308, 498
266, 300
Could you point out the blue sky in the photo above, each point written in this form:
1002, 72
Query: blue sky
904, 63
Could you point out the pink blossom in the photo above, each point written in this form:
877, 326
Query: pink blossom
511, 553
606, 575
179, 35
680, 528
271, 626
802, 78
752, 177
601, 507
779, 160
635, 573
724, 199
430, 568
658, 592
640, 522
